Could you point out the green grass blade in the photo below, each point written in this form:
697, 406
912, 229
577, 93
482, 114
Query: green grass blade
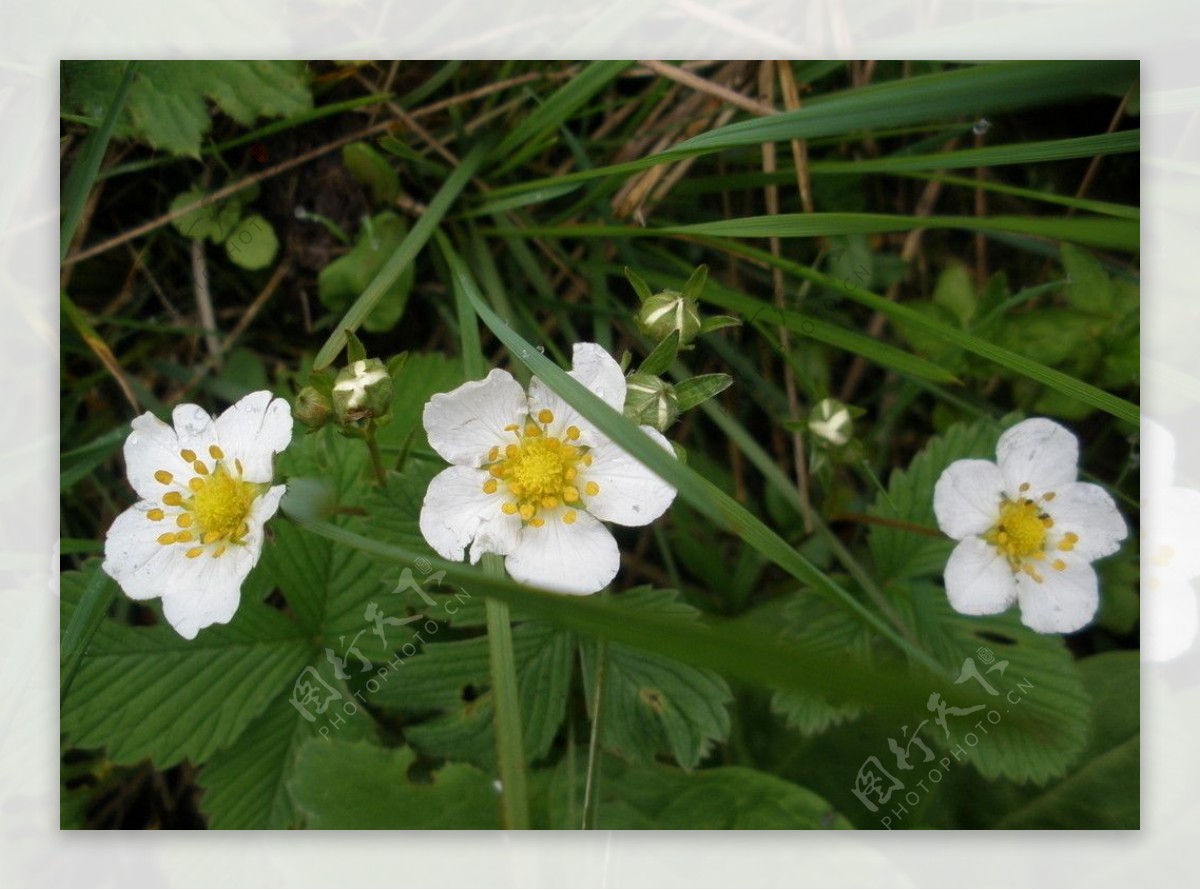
83, 174
93, 606
561, 105
405, 253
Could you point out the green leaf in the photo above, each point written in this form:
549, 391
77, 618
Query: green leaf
371, 169
900, 554
716, 322
653, 705
1102, 790
166, 106
1034, 725
453, 681
700, 389
1089, 288
147, 692
355, 785
662, 357
216, 222
341, 282
639, 285
956, 291
813, 624
727, 798
252, 244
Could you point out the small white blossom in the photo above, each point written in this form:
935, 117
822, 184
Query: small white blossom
1170, 529
1027, 530
206, 492
533, 480
830, 421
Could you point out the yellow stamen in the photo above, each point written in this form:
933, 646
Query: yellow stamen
215, 452
550, 502
195, 483
592, 489
545, 416
155, 515
1059, 565
537, 523
211, 537
570, 494
569, 517
508, 508
188, 455
218, 551
532, 431
172, 499
194, 552
490, 486
573, 433
166, 538
511, 428
200, 467
184, 520
527, 511
184, 537
494, 452
163, 476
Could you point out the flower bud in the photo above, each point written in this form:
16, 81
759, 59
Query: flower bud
362, 389
830, 423
312, 408
669, 311
651, 401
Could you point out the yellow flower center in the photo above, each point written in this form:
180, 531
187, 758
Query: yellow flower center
1023, 533
212, 515
540, 472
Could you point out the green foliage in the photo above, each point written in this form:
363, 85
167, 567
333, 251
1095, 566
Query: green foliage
166, 107
342, 281
371, 169
355, 785
654, 705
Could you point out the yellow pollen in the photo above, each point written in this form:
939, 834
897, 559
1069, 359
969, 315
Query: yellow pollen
155, 515
549, 502
494, 453
527, 511
570, 474
215, 453
1024, 486
587, 460
237, 465
573, 433
511, 428
195, 483
1059, 565
537, 522
200, 467
1048, 522
545, 416
511, 451
172, 499
1033, 573
218, 551
194, 552
184, 537
490, 486
1048, 496
592, 489
242, 531
218, 509
537, 471
211, 537
188, 455
571, 494
1020, 531
184, 520
496, 470
532, 431
509, 508
166, 538
163, 476
569, 517
1068, 542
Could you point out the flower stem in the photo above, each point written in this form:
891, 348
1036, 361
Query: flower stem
590, 806
510, 751
376, 457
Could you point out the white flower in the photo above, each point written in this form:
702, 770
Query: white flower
534, 481
206, 492
1170, 528
830, 420
1027, 530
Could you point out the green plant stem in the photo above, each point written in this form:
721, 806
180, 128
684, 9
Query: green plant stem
591, 802
376, 457
510, 751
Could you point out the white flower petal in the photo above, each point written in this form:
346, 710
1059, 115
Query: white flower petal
978, 580
1039, 452
457, 511
600, 373
195, 427
465, 423
966, 498
579, 558
207, 590
629, 493
253, 430
1062, 602
132, 555
153, 446
1088, 511
592, 366
1170, 615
